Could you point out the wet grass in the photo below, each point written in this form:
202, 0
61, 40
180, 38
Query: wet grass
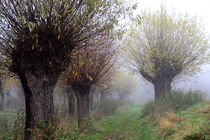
131, 124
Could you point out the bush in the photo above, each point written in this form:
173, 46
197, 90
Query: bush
172, 101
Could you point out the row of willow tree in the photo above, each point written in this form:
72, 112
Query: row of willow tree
42, 41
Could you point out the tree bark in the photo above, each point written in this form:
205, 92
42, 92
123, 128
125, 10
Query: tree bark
82, 94
71, 101
38, 88
162, 87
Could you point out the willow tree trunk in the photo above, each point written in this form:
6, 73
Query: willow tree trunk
2, 100
82, 94
162, 87
38, 87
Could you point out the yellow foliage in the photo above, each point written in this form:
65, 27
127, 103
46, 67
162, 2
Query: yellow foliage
164, 42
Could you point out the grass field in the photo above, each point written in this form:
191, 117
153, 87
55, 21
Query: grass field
191, 123
128, 125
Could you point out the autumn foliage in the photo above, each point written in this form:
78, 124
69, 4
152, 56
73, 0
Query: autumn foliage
164, 46
91, 65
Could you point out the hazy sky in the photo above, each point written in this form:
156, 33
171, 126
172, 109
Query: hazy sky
199, 8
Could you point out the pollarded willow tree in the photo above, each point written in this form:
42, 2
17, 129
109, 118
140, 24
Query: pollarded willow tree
163, 47
38, 36
90, 66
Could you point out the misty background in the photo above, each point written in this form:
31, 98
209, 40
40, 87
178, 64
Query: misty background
200, 81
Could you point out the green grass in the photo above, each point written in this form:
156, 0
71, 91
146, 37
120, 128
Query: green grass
7, 119
139, 123
130, 125
124, 125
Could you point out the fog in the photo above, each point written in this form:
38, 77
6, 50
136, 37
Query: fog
200, 82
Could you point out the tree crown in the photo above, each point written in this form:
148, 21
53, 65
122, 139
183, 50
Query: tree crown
44, 32
165, 46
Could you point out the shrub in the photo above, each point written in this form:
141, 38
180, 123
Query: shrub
179, 100
172, 101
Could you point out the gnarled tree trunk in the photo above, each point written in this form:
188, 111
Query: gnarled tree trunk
38, 87
161, 87
82, 94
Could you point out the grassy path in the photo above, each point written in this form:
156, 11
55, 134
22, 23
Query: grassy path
123, 125
129, 125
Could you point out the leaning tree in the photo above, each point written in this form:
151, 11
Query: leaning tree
164, 46
37, 38
92, 65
